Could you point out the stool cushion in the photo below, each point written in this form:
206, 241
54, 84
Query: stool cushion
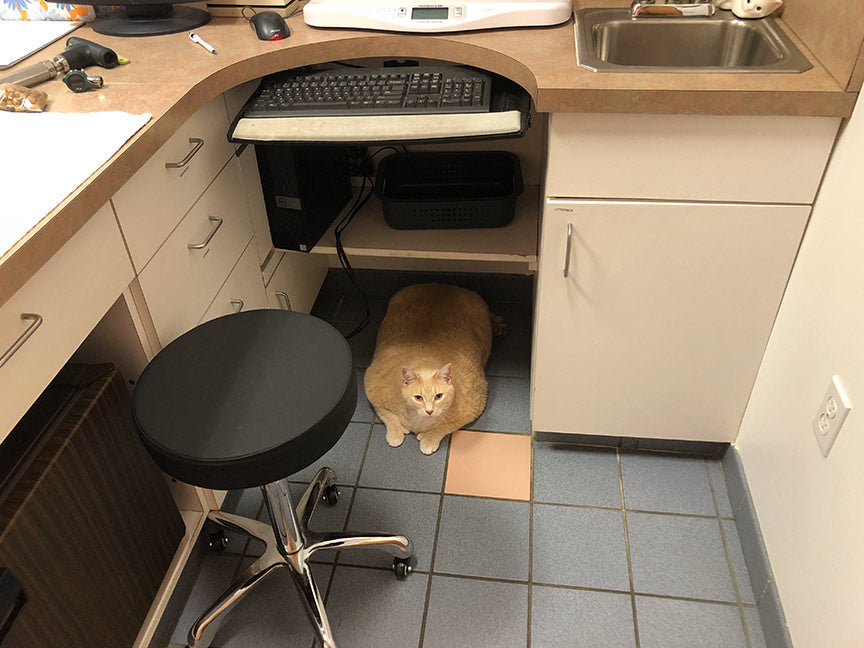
246, 399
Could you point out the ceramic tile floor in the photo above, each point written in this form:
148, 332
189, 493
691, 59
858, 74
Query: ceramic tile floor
570, 546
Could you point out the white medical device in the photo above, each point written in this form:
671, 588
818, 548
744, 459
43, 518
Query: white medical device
423, 17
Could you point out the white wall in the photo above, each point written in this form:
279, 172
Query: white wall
811, 508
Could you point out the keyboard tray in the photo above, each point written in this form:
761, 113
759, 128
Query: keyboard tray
508, 115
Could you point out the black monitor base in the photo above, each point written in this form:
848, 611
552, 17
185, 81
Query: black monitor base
150, 20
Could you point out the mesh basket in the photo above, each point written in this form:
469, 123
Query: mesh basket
462, 190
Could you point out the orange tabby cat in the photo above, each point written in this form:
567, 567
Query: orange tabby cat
426, 375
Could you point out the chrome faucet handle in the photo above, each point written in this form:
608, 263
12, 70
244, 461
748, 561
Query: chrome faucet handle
671, 8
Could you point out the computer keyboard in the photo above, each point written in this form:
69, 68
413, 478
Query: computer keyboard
374, 91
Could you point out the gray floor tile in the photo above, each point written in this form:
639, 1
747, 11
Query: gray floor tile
754, 628
580, 547
565, 474
666, 623
325, 518
271, 615
507, 407
737, 556
369, 608
724, 506
363, 412
483, 537
679, 556
565, 618
480, 614
344, 457
381, 511
670, 483
215, 575
404, 467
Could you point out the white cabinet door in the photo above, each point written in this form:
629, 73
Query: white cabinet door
659, 328
296, 281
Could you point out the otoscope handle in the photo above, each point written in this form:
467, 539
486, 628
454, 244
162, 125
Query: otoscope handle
81, 53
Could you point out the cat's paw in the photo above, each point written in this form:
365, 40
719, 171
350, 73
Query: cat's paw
428, 445
394, 440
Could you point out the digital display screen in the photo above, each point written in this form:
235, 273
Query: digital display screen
429, 13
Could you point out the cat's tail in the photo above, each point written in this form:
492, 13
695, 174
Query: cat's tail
499, 326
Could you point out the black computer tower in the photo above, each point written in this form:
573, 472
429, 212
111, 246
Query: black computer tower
305, 189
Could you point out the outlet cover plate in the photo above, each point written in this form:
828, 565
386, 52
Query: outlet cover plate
833, 410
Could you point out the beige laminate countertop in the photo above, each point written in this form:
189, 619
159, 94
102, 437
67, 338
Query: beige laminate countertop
171, 77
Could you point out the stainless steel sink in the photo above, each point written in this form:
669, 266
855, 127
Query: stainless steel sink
608, 40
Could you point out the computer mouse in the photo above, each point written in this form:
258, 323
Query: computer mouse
269, 25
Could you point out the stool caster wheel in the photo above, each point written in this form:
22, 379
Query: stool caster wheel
218, 541
330, 495
402, 567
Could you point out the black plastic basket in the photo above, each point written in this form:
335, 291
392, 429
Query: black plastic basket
461, 190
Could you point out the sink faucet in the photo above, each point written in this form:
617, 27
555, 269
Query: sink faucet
671, 8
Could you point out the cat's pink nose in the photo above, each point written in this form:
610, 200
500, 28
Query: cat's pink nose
429, 412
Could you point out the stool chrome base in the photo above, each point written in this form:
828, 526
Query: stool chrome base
289, 543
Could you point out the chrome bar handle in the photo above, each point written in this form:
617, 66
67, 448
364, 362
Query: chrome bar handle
35, 322
198, 143
238, 303
284, 300
206, 241
567, 249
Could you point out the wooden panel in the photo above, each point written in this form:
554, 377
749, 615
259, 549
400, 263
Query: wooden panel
660, 326
71, 292
688, 157
89, 529
832, 29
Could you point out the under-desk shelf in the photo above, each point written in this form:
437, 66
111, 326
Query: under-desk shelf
370, 242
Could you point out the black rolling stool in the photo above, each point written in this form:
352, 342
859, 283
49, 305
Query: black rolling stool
247, 400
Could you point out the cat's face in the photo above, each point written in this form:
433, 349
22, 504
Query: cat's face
429, 392
754, 8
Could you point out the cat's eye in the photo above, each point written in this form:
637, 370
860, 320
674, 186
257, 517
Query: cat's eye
418, 397
439, 396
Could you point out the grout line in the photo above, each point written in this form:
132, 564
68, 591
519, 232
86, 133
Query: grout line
434, 549
627, 548
728, 553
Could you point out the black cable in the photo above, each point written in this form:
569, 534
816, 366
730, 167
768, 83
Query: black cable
359, 202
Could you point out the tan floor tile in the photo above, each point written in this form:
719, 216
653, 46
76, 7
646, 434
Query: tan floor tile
489, 464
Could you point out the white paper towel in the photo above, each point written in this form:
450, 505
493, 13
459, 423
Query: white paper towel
45, 156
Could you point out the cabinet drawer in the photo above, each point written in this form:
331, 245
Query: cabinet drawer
180, 282
296, 281
71, 293
243, 290
688, 157
151, 204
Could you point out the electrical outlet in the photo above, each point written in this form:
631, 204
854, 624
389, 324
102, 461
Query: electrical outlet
832, 413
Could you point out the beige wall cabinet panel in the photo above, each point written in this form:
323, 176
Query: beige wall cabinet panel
243, 290
151, 204
297, 280
659, 328
180, 283
688, 157
71, 293
255, 198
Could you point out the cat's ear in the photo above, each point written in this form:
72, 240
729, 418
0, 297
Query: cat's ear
408, 376
444, 373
